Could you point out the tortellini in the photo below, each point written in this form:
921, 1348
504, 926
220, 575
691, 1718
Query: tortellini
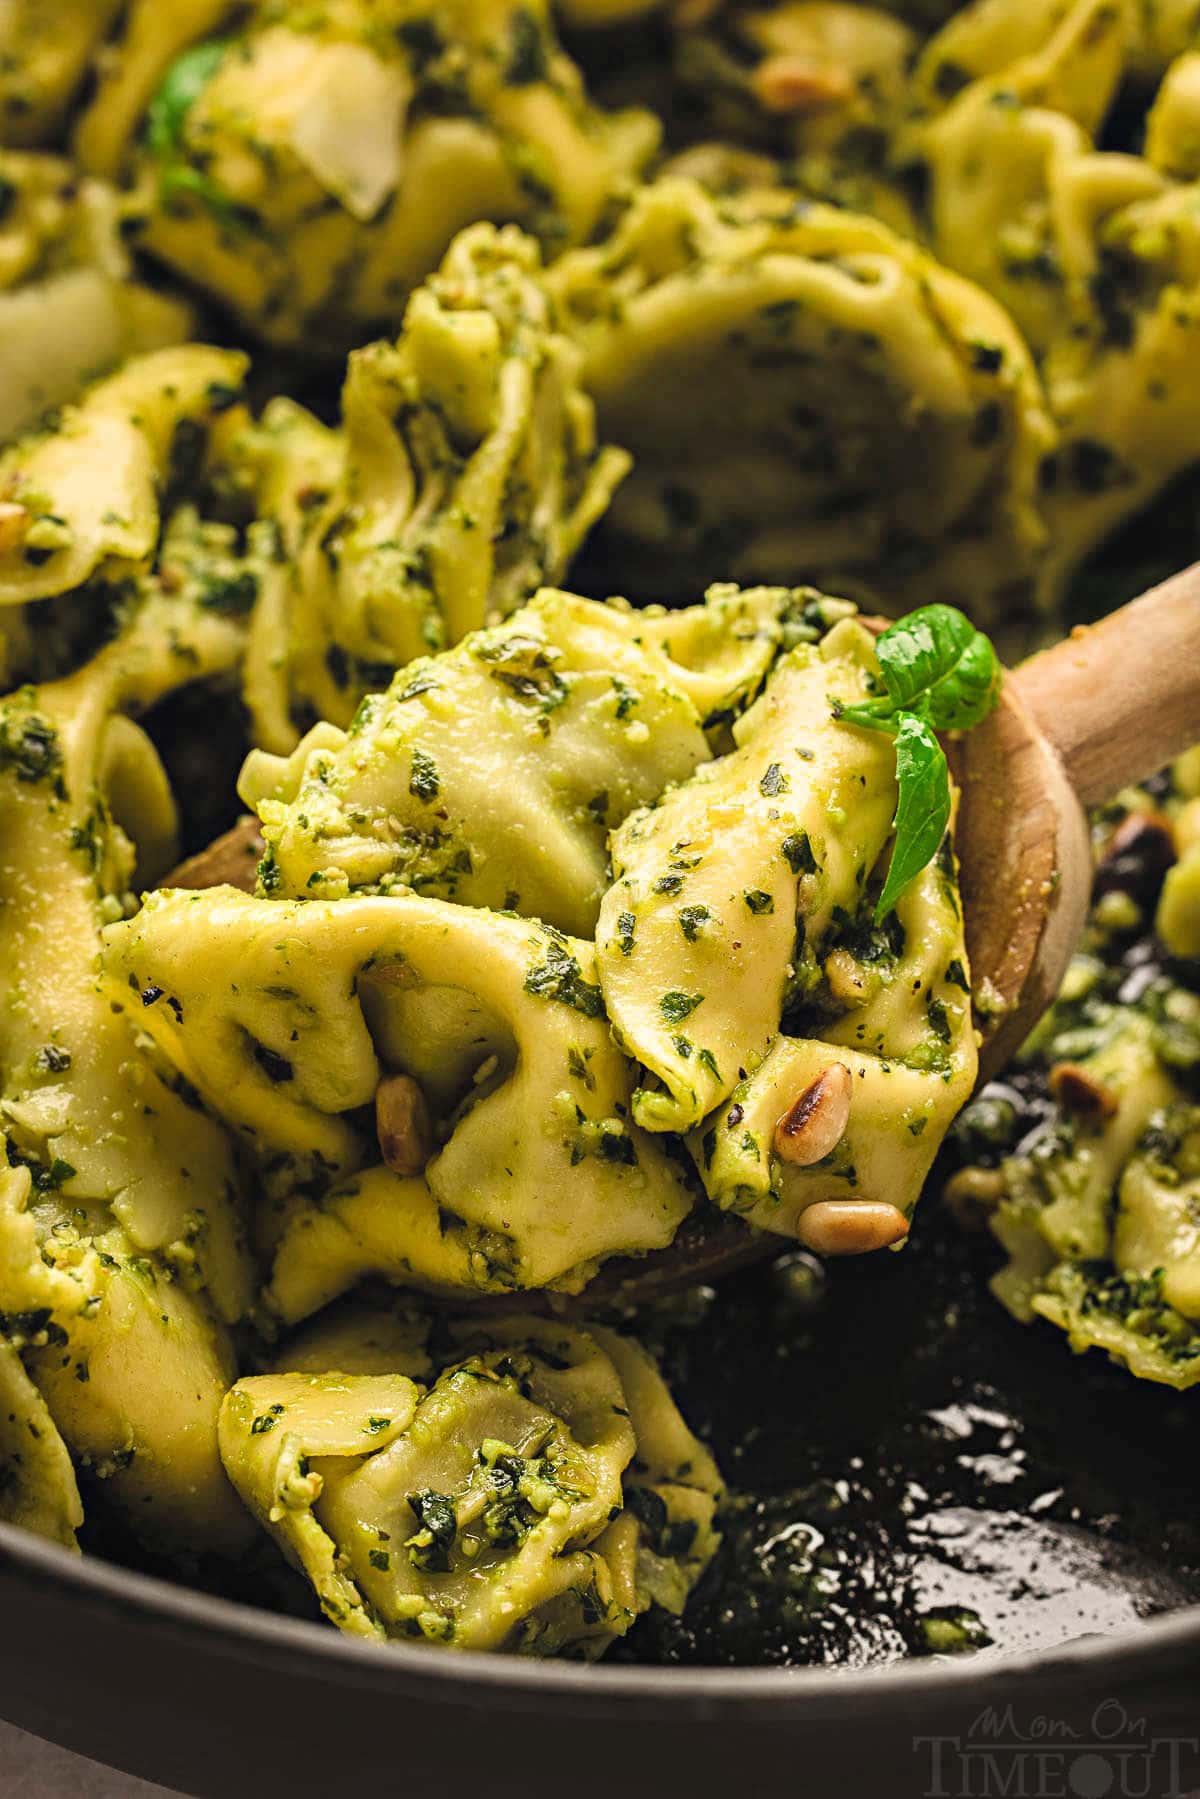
737, 905
806, 393
823, 82
1096, 1200
493, 774
901, 1025
1092, 252
534, 1498
123, 1253
38, 1489
467, 474
736, 875
1126, 1280
69, 306
535, 1173
48, 46
132, 1362
84, 499
309, 169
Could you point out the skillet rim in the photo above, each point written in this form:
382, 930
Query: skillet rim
234, 1631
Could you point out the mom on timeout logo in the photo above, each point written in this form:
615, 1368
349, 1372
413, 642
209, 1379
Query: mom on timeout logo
1002, 1756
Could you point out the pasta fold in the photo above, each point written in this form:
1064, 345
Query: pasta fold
534, 1173
533, 1498
493, 774
468, 473
806, 394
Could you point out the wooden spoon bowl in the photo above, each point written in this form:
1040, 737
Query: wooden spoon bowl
1105, 708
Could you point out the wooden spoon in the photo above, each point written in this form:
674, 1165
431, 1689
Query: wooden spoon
1107, 707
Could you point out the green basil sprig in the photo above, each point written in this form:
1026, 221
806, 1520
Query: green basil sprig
181, 87
940, 674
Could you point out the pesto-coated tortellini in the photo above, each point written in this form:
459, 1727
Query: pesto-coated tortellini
1097, 1218
1122, 388
84, 498
123, 1250
1095, 1195
1014, 183
893, 1047
1093, 253
988, 36
723, 893
537, 1496
806, 395
501, 1103
133, 1364
493, 774
38, 1489
69, 307
822, 82
310, 167
467, 474
48, 46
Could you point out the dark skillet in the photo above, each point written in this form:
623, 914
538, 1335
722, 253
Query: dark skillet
1058, 1502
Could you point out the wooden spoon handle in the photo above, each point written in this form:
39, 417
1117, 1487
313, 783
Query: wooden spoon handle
1119, 699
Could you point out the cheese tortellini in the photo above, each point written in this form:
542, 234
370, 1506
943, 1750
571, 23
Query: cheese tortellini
493, 774
69, 306
49, 46
90, 499
534, 1172
310, 168
123, 1253
1096, 1201
806, 395
1091, 251
533, 1498
467, 473
698, 940
38, 1489
738, 902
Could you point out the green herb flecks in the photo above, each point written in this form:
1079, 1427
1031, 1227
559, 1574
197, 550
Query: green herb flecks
675, 1007
560, 977
423, 784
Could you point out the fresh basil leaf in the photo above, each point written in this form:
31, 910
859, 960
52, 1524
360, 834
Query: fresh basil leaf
936, 664
181, 87
922, 810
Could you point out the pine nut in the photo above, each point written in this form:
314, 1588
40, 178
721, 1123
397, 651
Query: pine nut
816, 1122
402, 1124
1079, 1092
793, 84
850, 1227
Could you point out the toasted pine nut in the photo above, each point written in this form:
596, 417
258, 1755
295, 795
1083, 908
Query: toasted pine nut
14, 522
1078, 1091
846, 978
850, 1227
402, 1124
794, 84
816, 1121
